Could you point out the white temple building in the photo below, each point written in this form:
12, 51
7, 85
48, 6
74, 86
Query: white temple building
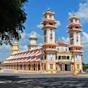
52, 56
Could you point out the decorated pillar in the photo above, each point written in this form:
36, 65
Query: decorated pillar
75, 46
33, 40
15, 48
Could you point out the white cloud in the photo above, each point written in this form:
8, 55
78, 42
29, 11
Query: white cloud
58, 23
39, 26
24, 41
85, 34
4, 46
40, 36
65, 39
24, 35
23, 48
82, 12
84, 39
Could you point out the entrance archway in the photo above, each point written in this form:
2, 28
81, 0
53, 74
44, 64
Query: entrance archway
67, 67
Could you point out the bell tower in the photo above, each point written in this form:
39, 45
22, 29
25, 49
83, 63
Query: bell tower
49, 25
75, 43
33, 40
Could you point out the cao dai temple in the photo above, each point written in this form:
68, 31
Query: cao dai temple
52, 56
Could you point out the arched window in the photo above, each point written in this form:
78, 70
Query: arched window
24, 67
34, 66
20, 67
29, 66
59, 57
67, 57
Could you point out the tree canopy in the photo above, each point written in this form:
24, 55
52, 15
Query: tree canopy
12, 17
85, 66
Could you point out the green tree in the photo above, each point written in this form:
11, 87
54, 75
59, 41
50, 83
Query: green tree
85, 66
12, 17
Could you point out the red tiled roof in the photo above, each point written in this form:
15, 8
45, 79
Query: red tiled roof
34, 55
49, 21
74, 25
76, 46
61, 43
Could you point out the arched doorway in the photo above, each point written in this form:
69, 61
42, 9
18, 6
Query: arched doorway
38, 66
29, 66
67, 67
34, 67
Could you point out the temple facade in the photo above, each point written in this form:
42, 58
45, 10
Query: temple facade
52, 56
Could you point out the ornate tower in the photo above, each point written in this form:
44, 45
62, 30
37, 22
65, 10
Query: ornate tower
49, 25
15, 48
75, 43
33, 39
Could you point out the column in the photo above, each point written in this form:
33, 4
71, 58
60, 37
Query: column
63, 67
31, 66
37, 66
27, 66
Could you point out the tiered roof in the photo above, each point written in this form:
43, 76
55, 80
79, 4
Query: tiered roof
61, 43
28, 56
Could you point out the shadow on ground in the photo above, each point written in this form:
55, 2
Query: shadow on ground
60, 82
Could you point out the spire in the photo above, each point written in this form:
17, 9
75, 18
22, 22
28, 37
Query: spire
73, 16
33, 40
74, 25
49, 12
33, 35
15, 48
49, 20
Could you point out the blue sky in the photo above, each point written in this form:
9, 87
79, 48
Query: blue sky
35, 9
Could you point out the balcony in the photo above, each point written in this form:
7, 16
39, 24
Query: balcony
50, 26
63, 60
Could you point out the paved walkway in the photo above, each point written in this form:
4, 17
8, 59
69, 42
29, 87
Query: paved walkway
39, 74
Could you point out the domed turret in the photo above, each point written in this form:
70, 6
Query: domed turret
74, 24
15, 48
33, 40
49, 24
49, 20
